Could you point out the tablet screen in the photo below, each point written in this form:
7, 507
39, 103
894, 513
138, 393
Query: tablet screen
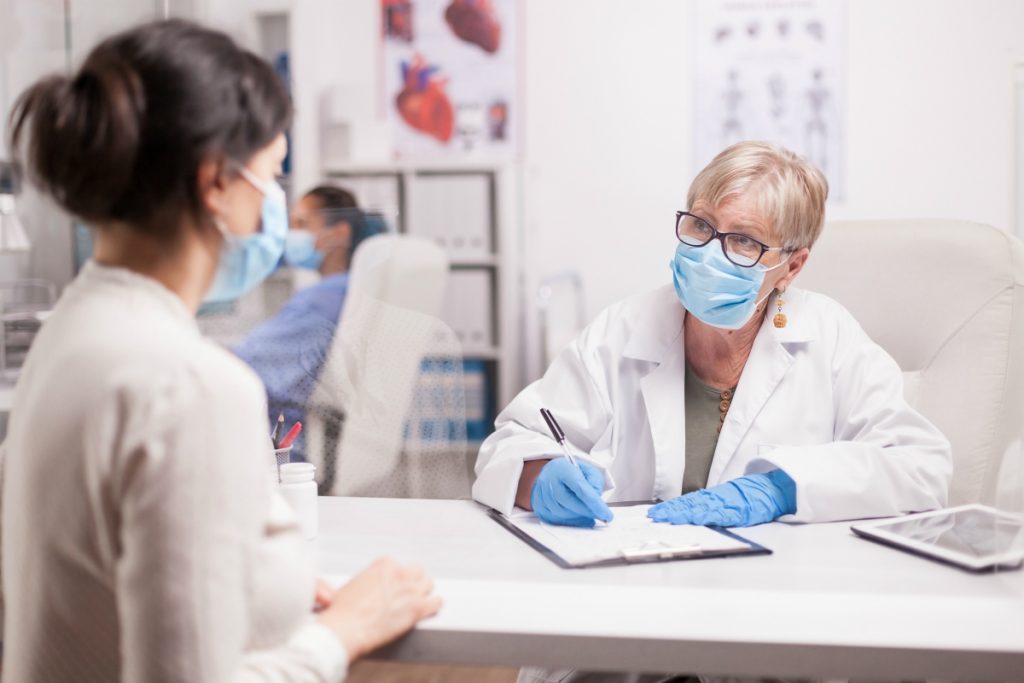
973, 532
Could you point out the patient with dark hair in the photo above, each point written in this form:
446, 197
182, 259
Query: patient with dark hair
143, 539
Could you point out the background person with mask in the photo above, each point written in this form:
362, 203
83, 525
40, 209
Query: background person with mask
288, 351
142, 537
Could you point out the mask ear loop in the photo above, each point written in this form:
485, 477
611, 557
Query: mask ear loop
213, 214
262, 185
766, 296
222, 228
252, 179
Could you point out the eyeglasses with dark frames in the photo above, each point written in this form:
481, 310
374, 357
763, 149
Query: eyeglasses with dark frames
742, 250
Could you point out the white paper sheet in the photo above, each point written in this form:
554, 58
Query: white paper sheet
631, 532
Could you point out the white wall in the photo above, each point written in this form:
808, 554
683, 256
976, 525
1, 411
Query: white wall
608, 110
929, 126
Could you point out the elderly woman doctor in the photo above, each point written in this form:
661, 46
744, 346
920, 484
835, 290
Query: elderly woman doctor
730, 396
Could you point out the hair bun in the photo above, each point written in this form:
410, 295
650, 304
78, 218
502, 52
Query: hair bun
110, 92
92, 121
124, 138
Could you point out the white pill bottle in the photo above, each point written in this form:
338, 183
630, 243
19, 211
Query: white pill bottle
298, 487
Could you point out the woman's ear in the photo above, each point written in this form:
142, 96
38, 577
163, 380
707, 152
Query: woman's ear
794, 265
212, 187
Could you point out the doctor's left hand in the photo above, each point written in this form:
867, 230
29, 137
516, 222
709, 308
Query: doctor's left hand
753, 499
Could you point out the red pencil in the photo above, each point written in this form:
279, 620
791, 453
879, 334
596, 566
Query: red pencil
291, 435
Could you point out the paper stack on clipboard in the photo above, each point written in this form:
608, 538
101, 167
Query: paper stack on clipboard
630, 538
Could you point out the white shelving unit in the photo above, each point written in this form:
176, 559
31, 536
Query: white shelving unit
466, 209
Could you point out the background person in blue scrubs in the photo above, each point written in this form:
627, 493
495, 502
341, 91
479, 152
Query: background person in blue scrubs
289, 350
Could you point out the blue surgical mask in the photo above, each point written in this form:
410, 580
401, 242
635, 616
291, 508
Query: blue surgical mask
300, 250
713, 288
247, 261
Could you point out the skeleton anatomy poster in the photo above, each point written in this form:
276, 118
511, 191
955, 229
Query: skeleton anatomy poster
772, 70
450, 77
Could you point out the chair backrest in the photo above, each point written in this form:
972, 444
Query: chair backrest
946, 300
389, 324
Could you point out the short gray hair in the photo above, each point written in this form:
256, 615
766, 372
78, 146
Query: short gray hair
788, 191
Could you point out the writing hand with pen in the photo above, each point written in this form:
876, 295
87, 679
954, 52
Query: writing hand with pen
567, 491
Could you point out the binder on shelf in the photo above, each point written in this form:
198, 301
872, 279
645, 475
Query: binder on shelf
452, 402
456, 211
478, 403
467, 308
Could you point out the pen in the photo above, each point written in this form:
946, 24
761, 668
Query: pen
277, 428
290, 436
556, 431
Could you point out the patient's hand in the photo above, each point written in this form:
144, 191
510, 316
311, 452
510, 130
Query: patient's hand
378, 605
323, 595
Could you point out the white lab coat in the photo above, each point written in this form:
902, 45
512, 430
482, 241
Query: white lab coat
817, 398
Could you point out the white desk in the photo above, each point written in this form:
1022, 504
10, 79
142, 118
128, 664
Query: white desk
826, 604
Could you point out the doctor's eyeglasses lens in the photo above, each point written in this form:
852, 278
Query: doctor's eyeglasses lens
741, 249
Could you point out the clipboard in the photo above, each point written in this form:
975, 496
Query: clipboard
526, 527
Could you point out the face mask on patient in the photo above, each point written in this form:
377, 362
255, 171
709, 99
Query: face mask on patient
300, 250
245, 261
713, 288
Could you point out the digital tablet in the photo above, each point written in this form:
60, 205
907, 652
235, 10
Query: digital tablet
973, 537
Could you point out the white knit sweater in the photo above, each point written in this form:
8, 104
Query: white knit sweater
142, 539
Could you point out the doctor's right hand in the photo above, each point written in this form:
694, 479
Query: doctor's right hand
570, 496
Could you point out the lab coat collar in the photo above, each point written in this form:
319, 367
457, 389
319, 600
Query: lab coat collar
660, 325
656, 328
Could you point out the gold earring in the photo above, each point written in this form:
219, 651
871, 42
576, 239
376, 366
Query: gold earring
780, 319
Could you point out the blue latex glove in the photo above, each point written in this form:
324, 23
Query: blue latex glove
569, 496
753, 499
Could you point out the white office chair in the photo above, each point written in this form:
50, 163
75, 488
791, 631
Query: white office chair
374, 381
946, 300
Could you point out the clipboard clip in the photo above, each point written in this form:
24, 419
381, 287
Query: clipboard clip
659, 551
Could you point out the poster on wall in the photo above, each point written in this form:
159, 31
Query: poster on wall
450, 78
772, 70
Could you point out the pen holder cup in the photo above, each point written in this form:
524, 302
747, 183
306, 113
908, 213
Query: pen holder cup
282, 456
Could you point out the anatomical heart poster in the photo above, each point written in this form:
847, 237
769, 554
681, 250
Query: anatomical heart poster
451, 85
772, 70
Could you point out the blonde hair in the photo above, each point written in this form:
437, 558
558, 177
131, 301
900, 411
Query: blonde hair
788, 191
